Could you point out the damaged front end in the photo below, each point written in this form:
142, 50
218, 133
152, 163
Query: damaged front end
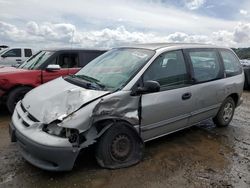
92, 120
72, 132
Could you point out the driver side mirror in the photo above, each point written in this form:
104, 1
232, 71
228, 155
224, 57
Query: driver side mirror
53, 67
150, 86
3, 56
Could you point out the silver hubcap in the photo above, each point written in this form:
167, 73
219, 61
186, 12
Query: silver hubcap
227, 112
121, 147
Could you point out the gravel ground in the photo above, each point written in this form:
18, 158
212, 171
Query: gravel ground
201, 156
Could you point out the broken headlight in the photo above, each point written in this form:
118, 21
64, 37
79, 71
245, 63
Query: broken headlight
55, 130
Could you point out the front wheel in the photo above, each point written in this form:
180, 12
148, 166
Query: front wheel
119, 147
16, 95
225, 114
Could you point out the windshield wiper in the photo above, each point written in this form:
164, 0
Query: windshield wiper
90, 80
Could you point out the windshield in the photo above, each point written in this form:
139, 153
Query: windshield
115, 68
3, 50
36, 60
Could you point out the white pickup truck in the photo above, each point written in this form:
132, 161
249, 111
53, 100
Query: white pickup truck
13, 56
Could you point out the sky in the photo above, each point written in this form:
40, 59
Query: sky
111, 23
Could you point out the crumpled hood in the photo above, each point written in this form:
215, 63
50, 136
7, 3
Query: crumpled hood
57, 99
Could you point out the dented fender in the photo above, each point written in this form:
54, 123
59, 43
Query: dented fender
116, 106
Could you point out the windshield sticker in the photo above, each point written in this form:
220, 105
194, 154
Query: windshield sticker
139, 54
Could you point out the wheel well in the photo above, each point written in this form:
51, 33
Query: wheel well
17, 86
11, 89
235, 97
100, 125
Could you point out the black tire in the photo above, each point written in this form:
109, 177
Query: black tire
226, 113
119, 147
246, 84
16, 95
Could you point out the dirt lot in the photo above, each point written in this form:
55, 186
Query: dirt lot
202, 156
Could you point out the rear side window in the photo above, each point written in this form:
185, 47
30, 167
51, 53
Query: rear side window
67, 60
206, 64
13, 53
27, 52
88, 56
231, 63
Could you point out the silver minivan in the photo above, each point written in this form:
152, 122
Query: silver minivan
122, 99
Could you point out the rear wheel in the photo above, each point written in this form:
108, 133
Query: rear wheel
16, 95
225, 114
119, 147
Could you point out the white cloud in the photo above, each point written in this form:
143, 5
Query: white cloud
149, 15
224, 38
11, 31
244, 12
194, 4
64, 34
242, 33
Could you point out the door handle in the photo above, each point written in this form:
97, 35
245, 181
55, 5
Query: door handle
18, 60
186, 96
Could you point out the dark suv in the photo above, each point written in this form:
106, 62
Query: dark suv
246, 66
42, 67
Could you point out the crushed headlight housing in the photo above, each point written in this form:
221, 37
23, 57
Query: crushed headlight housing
72, 134
55, 130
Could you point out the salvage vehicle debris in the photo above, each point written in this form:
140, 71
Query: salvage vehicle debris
44, 66
14, 56
123, 98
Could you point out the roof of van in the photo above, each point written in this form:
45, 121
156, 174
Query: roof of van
155, 46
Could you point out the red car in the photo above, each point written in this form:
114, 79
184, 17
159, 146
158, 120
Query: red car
44, 66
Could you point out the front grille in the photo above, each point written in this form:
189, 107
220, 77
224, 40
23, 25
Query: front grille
25, 124
24, 110
26, 118
32, 118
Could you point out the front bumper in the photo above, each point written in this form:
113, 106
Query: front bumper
48, 157
44, 157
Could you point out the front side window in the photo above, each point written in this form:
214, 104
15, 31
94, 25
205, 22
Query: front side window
169, 69
231, 63
206, 64
13, 53
115, 68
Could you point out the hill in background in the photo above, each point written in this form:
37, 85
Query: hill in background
243, 53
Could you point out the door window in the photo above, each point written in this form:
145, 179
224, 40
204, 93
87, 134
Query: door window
13, 53
169, 69
206, 65
27, 52
231, 63
66, 60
